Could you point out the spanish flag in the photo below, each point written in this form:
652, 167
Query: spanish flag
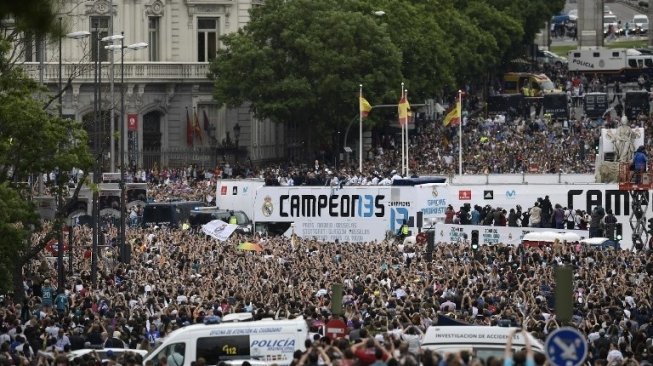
454, 116
196, 126
364, 107
403, 110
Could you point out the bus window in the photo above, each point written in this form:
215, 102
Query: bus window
632, 63
648, 62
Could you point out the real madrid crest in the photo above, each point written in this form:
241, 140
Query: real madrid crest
434, 192
267, 206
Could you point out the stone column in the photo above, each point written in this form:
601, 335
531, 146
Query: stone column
590, 23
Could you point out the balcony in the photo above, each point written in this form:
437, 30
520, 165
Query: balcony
135, 72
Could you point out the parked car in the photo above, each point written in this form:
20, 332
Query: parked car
550, 58
601, 243
610, 21
639, 24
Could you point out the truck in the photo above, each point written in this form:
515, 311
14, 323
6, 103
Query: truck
621, 64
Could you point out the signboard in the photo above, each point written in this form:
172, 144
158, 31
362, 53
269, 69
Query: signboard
556, 104
132, 122
506, 104
465, 195
596, 104
335, 328
566, 347
637, 102
491, 235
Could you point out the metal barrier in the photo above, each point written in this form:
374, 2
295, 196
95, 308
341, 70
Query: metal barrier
181, 158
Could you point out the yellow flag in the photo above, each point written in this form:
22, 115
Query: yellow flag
364, 107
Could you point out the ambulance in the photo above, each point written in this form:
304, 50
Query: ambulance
267, 340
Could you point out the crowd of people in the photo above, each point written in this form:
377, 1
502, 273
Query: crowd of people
177, 277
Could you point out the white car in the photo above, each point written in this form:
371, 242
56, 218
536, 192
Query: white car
640, 21
610, 20
102, 353
550, 58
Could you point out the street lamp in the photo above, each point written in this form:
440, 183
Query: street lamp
121, 47
112, 148
60, 266
237, 137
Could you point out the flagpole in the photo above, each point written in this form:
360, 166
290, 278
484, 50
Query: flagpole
360, 129
402, 133
407, 121
460, 133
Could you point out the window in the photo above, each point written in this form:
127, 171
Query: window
615, 54
99, 28
153, 37
596, 54
216, 349
173, 354
207, 39
632, 63
32, 47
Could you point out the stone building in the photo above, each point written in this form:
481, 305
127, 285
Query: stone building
165, 84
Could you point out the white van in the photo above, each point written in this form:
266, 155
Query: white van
482, 341
267, 340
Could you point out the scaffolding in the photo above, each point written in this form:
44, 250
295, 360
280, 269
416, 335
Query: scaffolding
638, 186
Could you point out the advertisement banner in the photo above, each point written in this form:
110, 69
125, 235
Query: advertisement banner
132, 122
491, 235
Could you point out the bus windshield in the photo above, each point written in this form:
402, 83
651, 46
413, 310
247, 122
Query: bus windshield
157, 215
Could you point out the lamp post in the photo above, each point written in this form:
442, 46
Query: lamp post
237, 137
60, 247
112, 148
97, 152
135, 46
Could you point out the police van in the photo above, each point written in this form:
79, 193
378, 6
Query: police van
271, 341
483, 342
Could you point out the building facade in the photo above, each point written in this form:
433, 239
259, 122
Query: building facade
171, 119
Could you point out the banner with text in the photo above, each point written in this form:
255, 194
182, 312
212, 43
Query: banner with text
490, 235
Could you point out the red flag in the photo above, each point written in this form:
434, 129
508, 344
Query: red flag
189, 130
206, 123
196, 126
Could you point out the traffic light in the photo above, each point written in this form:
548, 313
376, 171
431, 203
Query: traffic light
474, 240
650, 226
620, 232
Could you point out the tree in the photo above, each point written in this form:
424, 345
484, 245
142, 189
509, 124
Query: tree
36, 15
301, 62
32, 142
17, 216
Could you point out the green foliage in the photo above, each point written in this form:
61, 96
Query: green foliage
300, 61
303, 61
38, 16
31, 142
17, 217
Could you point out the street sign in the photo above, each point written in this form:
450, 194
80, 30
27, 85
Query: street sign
335, 328
566, 347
